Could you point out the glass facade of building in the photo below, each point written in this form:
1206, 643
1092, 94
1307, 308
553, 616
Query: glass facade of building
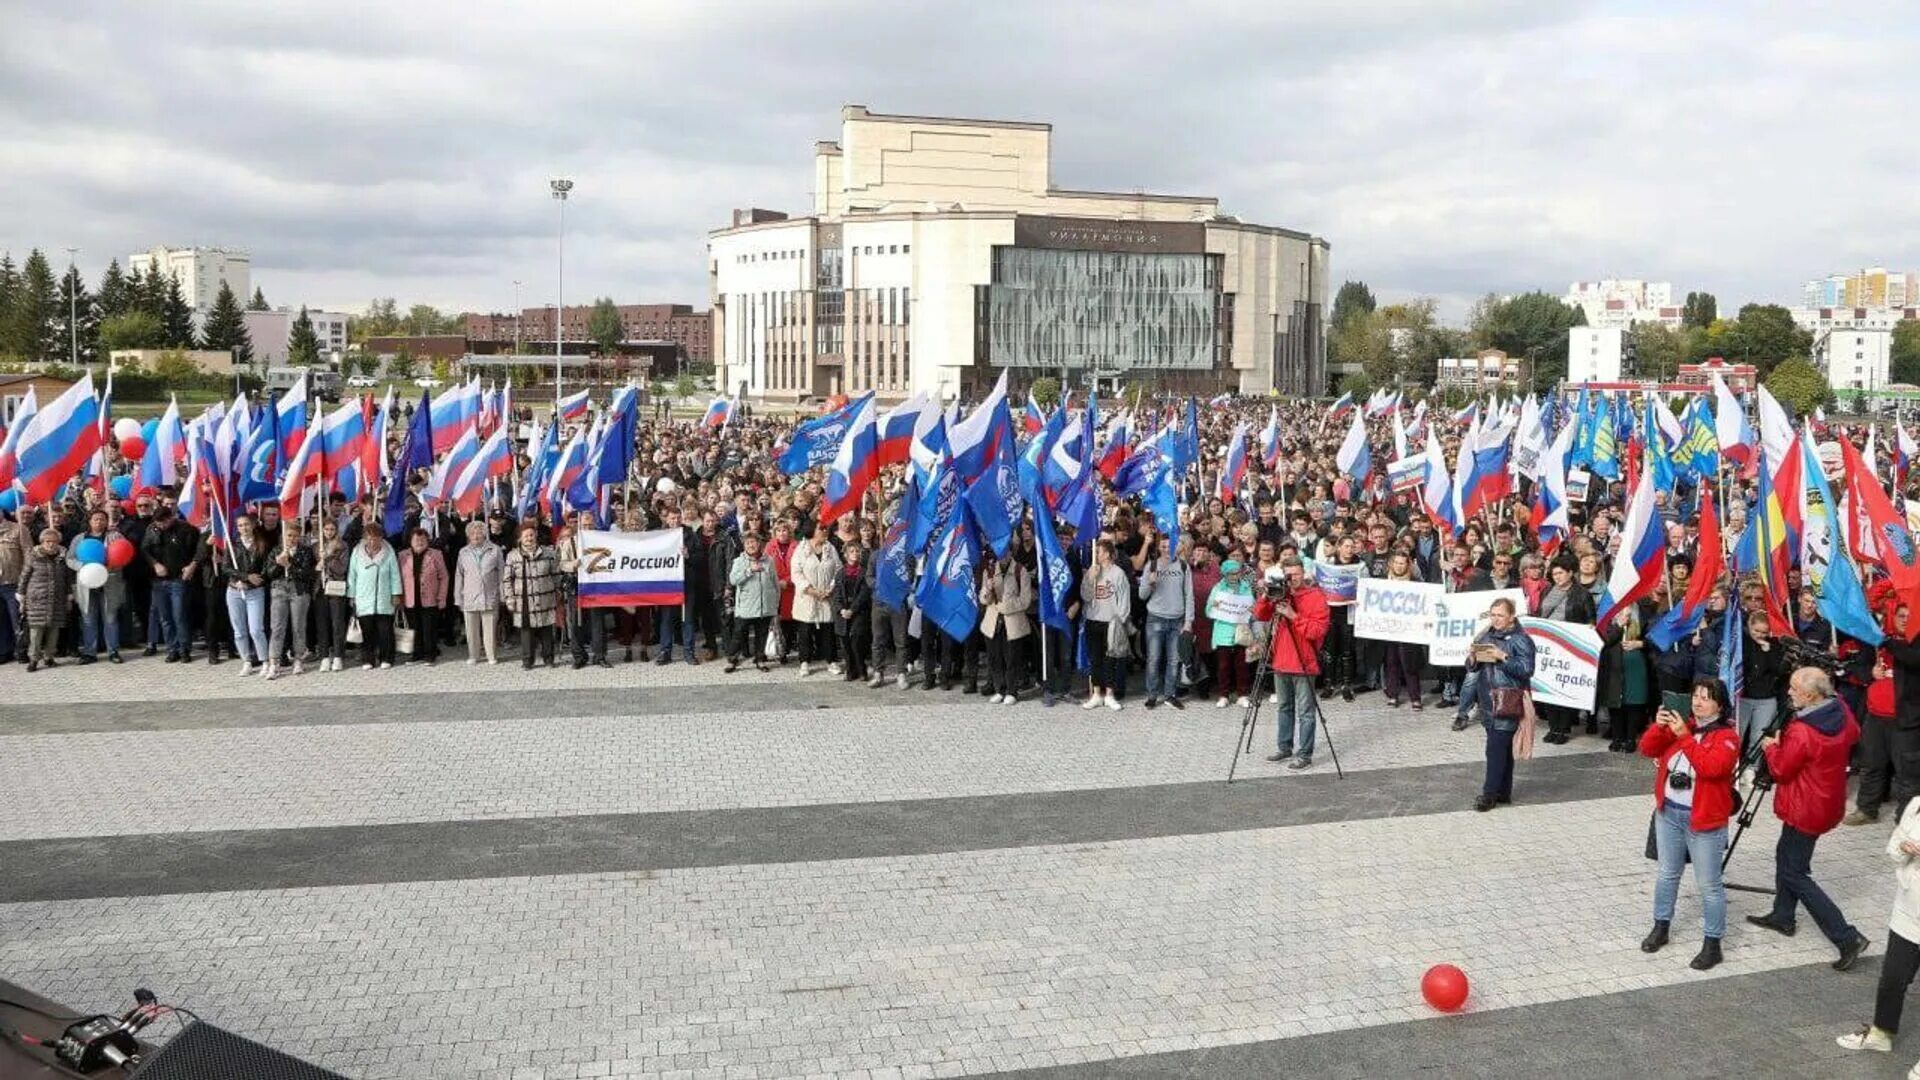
1107, 309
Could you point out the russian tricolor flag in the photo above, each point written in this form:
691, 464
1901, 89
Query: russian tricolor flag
893, 437
493, 461
976, 441
9, 447
293, 418
456, 413
574, 406
343, 439
1034, 418
1642, 560
719, 412
1236, 466
854, 466
57, 440
302, 469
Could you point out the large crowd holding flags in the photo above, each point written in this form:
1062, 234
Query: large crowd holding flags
1028, 553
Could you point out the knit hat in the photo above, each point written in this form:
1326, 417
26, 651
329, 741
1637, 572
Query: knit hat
1231, 566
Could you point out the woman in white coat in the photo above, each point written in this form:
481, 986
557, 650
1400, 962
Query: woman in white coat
476, 592
815, 566
1903, 941
1005, 595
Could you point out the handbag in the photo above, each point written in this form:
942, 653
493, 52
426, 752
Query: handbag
353, 632
776, 645
1119, 640
1243, 634
1509, 702
402, 636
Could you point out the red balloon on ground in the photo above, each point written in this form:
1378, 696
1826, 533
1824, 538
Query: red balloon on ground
133, 448
1445, 987
119, 553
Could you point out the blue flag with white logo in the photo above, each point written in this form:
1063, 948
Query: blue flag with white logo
946, 595
893, 567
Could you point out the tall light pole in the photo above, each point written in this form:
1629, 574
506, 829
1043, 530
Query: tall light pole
560, 186
516, 317
73, 304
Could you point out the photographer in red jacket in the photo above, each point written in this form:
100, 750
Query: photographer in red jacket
1808, 760
1298, 608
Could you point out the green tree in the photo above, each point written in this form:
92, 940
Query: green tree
259, 301
369, 363
1765, 336
1354, 298
227, 328
442, 368
31, 326
175, 367
603, 325
115, 294
1904, 365
1659, 350
151, 294
1046, 391
9, 290
176, 316
1532, 326
1799, 385
1700, 309
1362, 339
131, 330
1355, 383
303, 345
401, 367
76, 319
684, 386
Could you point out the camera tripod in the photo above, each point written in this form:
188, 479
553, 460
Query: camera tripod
1249, 718
1754, 764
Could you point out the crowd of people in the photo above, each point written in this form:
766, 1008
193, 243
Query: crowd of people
1224, 606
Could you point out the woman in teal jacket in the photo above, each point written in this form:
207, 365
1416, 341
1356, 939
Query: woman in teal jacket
373, 587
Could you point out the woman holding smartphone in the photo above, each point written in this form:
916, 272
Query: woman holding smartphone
1692, 799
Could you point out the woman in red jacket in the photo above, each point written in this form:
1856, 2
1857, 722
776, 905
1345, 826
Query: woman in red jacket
1692, 799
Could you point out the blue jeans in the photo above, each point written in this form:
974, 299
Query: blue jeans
95, 618
247, 611
1793, 885
1469, 686
673, 623
1756, 716
170, 612
1676, 842
1163, 656
1295, 701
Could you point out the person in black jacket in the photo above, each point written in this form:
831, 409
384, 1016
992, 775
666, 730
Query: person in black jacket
852, 602
1905, 656
1760, 680
169, 548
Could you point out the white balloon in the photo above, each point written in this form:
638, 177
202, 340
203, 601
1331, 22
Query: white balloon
93, 575
126, 428
664, 486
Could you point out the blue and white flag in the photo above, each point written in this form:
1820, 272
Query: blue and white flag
1355, 457
946, 594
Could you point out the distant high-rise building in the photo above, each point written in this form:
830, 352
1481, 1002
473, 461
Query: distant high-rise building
1619, 303
1873, 287
200, 270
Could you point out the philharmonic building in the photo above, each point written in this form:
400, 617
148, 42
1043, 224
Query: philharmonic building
939, 253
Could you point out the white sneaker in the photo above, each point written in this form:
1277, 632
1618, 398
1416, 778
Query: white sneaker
473, 660
249, 669
1221, 704
1010, 700
835, 668
299, 668
1090, 703
901, 682
366, 667
1113, 703
1868, 1038
385, 665
1272, 699
994, 700
492, 661
1245, 701
273, 672
805, 669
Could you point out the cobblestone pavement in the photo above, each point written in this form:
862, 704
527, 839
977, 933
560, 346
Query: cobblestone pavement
1240, 943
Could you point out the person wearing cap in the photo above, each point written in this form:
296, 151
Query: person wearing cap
1300, 619
1230, 611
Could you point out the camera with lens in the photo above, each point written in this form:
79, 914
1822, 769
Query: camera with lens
1680, 781
1276, 590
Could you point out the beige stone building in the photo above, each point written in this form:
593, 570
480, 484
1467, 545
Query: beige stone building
938, 252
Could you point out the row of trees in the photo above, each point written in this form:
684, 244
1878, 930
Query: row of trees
385, 319
48, 320
1402, 343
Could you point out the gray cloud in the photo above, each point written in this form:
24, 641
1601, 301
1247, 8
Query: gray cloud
1445, 148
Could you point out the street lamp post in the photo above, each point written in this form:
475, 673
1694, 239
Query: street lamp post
516, 317
560, 186
73, 304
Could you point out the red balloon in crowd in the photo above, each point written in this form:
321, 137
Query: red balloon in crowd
1445, 987
119, 553
133, 448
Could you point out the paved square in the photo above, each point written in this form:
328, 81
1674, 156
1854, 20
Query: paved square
1216, 951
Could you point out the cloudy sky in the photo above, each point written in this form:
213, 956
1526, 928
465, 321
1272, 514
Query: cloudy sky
1445, 147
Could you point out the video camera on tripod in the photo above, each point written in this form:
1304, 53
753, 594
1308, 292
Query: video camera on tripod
1796, 654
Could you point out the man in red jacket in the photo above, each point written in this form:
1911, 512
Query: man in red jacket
1300, 620
1808, 760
